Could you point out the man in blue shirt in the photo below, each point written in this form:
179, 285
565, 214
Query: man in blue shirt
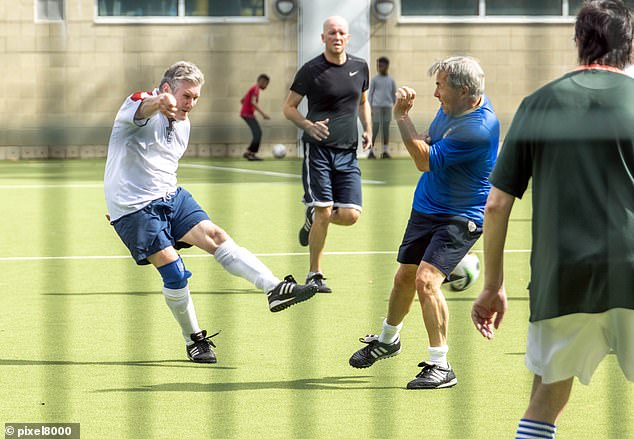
456, 158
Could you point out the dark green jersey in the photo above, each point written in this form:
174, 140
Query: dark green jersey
574, 137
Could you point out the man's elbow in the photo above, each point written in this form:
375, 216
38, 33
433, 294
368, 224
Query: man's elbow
498, 203
422, 168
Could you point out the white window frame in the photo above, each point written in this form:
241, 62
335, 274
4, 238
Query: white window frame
181, 18
482, 18
38, 19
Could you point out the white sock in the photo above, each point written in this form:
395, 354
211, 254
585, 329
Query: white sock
386, 148
390, 333
438, 355
241, 262
180, 303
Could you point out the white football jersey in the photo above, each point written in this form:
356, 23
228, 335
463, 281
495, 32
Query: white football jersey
142, 157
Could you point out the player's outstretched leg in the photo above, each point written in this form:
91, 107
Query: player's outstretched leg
374, 351
241, 262
200, 350
288, 293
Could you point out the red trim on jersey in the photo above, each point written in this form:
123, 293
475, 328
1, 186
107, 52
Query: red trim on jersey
140, 95
600, 67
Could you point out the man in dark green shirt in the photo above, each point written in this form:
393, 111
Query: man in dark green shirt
574, 137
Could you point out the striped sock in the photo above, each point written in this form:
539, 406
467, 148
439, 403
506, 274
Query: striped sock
528, 429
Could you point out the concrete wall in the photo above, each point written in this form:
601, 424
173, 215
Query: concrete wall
63, 82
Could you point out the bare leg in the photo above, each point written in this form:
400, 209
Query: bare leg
433, 304
163, 257
323, 217
317, 237
548, 400
402, 295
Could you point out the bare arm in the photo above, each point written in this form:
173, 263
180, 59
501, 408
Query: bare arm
489, 308
164, 103
257, 108
365, 115
417, 147
317, 130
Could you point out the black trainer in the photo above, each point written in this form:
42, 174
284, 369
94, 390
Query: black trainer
433, 377
374, 351
200, 351
288, 293
318, 279
304, 232
371, 155
386, 155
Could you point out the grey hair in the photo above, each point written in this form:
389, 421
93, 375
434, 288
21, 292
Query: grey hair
182, 71
462, 71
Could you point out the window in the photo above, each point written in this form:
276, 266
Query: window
492, 10
439, 7
138, 8
49, 10
225, 8
523, 7
177, 10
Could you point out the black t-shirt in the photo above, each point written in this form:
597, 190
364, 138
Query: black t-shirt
333, 91
575, 138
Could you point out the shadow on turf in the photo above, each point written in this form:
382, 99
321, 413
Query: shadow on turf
244, 291
448, 298
143, 363
326, 383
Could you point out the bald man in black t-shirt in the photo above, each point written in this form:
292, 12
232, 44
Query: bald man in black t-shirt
335, 84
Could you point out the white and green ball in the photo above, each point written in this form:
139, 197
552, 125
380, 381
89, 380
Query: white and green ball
466, 273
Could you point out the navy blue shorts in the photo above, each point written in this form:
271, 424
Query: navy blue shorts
439, 240
331, 177
159, 225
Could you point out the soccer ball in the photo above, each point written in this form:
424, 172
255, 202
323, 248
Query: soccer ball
466, 273
279, 151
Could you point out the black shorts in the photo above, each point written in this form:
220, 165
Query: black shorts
331, 177
439, 240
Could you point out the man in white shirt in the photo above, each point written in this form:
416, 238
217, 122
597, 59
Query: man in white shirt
154, 217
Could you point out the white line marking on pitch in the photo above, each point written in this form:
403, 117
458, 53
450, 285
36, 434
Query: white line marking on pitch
254, 171
182, 165
47, 186
261, 255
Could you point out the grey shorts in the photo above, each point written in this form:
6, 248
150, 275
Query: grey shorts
381, 114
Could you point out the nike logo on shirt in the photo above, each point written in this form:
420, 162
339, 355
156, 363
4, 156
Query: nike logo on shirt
353, 73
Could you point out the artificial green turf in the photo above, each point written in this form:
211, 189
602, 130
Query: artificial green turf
90, 340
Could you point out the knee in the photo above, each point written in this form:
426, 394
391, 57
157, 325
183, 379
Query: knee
217, 235
404, 281
425, 285
347, 216
174, 275
353, 215
322, 215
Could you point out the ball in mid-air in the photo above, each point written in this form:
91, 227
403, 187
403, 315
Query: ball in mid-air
279, 151
466, 273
